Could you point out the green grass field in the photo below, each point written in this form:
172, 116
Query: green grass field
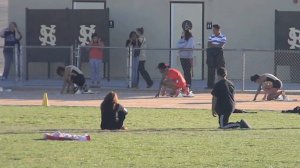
156, 138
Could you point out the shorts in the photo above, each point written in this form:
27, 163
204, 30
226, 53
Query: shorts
79, 80
180, 84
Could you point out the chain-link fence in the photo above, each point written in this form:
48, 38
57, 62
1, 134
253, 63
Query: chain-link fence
118, 65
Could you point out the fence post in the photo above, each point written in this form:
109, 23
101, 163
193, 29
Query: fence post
71, 55
21, 63
244, 70
16, 63
130, 67
78, 56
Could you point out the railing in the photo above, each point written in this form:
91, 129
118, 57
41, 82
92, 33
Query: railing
241, 63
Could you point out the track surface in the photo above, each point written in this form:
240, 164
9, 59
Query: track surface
136, 98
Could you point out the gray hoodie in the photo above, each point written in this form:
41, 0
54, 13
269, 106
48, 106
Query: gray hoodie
183, 44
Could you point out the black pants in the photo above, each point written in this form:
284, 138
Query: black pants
8, 60
187, 64
144, 73
119, 124
215, 60
224, 121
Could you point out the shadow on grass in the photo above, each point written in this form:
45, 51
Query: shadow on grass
146, 130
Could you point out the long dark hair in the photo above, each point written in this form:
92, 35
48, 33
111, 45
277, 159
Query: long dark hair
187, 35
109, 102
141, 30
130, 42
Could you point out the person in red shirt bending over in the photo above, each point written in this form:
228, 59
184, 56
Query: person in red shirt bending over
174, 80
96, 59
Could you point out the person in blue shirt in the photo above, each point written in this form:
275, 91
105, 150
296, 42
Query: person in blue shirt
186, 45
12, 37
215, 57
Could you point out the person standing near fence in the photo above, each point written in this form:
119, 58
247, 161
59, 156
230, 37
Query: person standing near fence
186, 45
96, 59
11, 36
142, 57
133, 43
215, 57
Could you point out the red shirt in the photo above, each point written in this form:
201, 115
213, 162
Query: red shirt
176, 75
96, 52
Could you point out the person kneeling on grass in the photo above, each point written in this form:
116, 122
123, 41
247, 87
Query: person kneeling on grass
174, 80
270, 84
112, 113
74, 80
223, 103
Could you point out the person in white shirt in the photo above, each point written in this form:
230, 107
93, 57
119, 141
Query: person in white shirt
270, 84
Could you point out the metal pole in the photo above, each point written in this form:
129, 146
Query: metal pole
16, 63
71, 55
244, 70
130, 68
21, 63
78, 57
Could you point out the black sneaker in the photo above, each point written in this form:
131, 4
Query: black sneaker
150, 85
244, 124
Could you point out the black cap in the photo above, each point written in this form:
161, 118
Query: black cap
162, 66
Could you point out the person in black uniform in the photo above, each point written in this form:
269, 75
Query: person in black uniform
112, 113
74, 80
223, 103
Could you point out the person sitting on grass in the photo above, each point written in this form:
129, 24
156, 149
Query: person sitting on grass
270, 84
172, 79
223, 103
73, 78
112, 113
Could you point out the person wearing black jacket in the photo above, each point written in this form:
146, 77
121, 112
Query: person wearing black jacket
223, 103
113, 114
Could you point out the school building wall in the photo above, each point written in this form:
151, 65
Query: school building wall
246, 23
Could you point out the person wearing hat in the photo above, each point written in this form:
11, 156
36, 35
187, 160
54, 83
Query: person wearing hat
223, 103
270, 84
172, 79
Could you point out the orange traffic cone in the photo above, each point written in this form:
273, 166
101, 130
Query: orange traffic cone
45, 100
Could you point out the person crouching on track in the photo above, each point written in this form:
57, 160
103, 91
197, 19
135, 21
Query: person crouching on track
223, 103
74, 80
172, 79
112, 113
270, 84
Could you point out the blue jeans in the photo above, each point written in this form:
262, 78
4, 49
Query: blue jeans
8, 59
135, 72
96, 69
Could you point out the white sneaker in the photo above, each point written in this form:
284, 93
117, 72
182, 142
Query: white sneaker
78, 92
190, 94
179, 95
